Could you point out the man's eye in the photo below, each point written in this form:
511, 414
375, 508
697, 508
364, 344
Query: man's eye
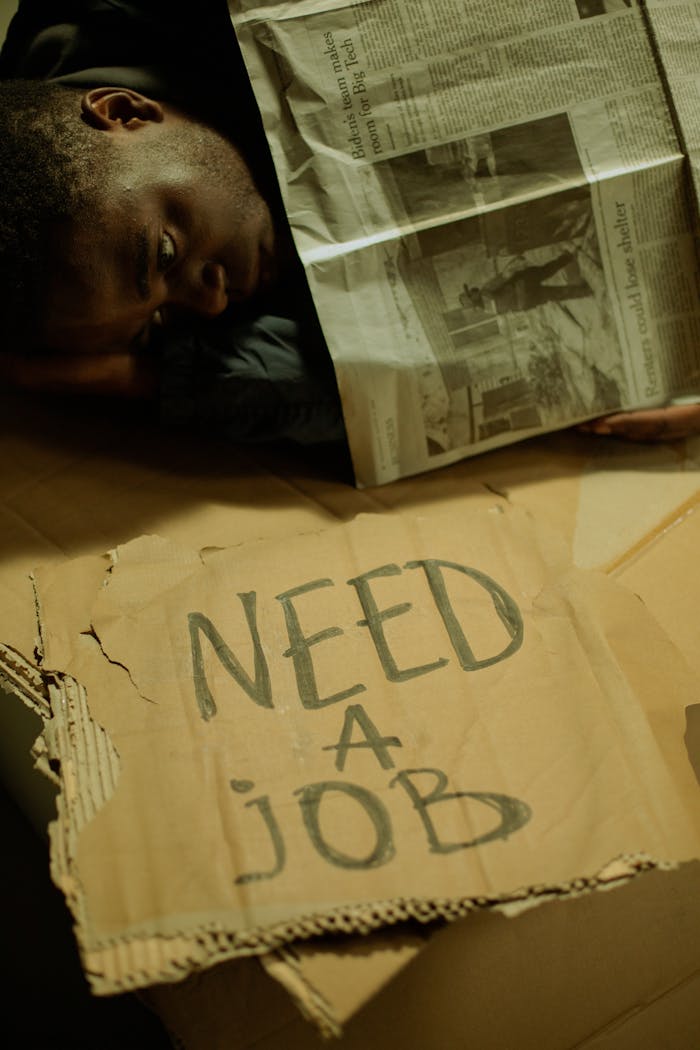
167, 253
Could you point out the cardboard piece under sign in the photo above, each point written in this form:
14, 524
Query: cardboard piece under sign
605, 971
395, 719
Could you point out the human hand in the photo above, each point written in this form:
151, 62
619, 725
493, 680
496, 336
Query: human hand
127, 375
651, 424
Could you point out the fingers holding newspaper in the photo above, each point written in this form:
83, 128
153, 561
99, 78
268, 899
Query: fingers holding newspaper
654, 424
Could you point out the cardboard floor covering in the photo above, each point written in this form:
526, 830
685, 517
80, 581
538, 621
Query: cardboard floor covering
533, 521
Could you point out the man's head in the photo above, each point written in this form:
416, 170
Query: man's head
121, 213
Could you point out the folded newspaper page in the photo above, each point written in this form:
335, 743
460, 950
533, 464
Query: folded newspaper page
495, 206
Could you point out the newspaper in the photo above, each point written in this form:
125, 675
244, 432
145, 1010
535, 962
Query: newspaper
495, 205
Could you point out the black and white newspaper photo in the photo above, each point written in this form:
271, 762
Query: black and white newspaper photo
497, 226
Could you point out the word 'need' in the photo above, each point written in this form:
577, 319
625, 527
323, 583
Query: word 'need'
258, 685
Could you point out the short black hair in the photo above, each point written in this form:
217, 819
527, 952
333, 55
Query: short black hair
51, 162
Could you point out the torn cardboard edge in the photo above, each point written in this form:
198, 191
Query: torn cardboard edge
73, 738
25, 681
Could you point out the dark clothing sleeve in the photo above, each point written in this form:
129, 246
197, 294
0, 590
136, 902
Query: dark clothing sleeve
250, 382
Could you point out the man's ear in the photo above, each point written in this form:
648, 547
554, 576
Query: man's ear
116, 108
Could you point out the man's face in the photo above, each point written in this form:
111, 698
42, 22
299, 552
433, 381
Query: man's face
178, 229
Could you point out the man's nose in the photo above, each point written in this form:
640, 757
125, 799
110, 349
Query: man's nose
204, 289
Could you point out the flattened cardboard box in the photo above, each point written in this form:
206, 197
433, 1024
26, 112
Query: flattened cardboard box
389, 720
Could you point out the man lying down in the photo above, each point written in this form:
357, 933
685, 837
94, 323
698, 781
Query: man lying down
144, 248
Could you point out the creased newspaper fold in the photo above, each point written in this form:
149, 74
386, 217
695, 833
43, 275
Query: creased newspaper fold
493, 206
400, 719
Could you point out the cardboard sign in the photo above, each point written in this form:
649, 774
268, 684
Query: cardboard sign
397, 718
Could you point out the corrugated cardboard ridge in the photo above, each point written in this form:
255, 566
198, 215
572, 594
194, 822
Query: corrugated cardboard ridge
25, 680
130, 963
87, 768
